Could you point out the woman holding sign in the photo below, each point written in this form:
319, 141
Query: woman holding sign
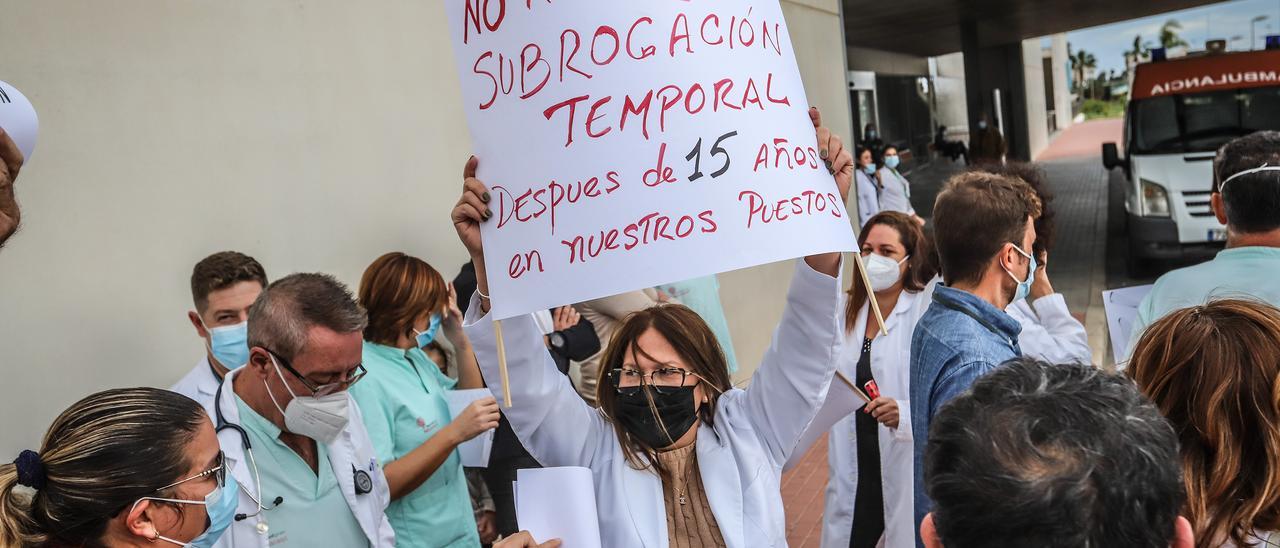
869, 495
678, 456
402, 400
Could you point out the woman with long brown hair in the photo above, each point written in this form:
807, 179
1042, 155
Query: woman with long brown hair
1214, 371
869, 495
678, 456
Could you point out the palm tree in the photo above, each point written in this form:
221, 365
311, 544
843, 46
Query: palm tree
1140, 47
1169, 37
1081, 62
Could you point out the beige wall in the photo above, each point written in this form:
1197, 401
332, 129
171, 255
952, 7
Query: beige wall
313, 135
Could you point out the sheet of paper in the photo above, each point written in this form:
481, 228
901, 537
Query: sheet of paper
474, 452
841, 402
558, 503
615, 136
1121, 306
18, 118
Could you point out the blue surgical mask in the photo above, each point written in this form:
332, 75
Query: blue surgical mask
221, 510
229, 344
870, 169
1024, 286
891, 162
425, 337
982, 125
220, 506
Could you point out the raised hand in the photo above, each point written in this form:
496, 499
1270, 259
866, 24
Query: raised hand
565, 317
471, 210
832, 151
10, 164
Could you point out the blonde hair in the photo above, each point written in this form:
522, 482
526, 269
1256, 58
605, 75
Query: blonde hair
99, 456
1214, 371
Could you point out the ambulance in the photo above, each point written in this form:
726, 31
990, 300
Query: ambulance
1180, 111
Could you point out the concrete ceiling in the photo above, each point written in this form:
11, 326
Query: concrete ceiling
932, 27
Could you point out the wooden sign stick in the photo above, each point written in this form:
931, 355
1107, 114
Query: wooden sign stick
871, 294
502, 364
855, 388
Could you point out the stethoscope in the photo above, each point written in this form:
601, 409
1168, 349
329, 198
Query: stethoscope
222, 424
361, 479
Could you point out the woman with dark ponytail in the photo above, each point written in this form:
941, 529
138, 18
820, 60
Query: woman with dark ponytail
124, 467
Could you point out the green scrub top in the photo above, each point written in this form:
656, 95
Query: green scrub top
1241, 272
702, 295
314, 512
403, 403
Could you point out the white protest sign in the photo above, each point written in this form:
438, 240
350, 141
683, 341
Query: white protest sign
631, 144
1121, 306
18, 118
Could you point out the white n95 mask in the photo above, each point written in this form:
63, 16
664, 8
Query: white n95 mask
883, 271
321, 418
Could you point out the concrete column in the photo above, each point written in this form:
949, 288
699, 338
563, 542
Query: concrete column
988, 68
1061, 93
1035, 106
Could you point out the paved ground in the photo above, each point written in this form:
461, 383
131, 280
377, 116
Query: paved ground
1083, 140
1087, 258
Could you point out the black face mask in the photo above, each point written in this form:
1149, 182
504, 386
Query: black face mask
675, 407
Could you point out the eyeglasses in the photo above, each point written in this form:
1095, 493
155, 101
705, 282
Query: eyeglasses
665, 380
351, 376
218, 472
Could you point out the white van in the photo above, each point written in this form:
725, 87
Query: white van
1180, 111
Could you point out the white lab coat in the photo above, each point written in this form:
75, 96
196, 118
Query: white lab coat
740, 459
1049, 332
351, 450
868, 196
891, 367
896, 195
200, 384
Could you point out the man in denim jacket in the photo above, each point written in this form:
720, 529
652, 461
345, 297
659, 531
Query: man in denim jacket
984, 228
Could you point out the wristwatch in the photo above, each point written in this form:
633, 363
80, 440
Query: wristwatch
557, 341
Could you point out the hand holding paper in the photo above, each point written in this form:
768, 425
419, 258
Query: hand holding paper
475, 415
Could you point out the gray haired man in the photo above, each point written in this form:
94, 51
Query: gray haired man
1053, 456
293, 437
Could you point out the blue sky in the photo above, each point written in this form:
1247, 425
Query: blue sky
1225, 20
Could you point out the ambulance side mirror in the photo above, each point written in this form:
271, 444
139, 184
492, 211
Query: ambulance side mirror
1111, 157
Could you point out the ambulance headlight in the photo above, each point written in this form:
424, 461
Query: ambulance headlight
1155, 200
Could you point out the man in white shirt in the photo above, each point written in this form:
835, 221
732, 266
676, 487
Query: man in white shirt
223, 286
